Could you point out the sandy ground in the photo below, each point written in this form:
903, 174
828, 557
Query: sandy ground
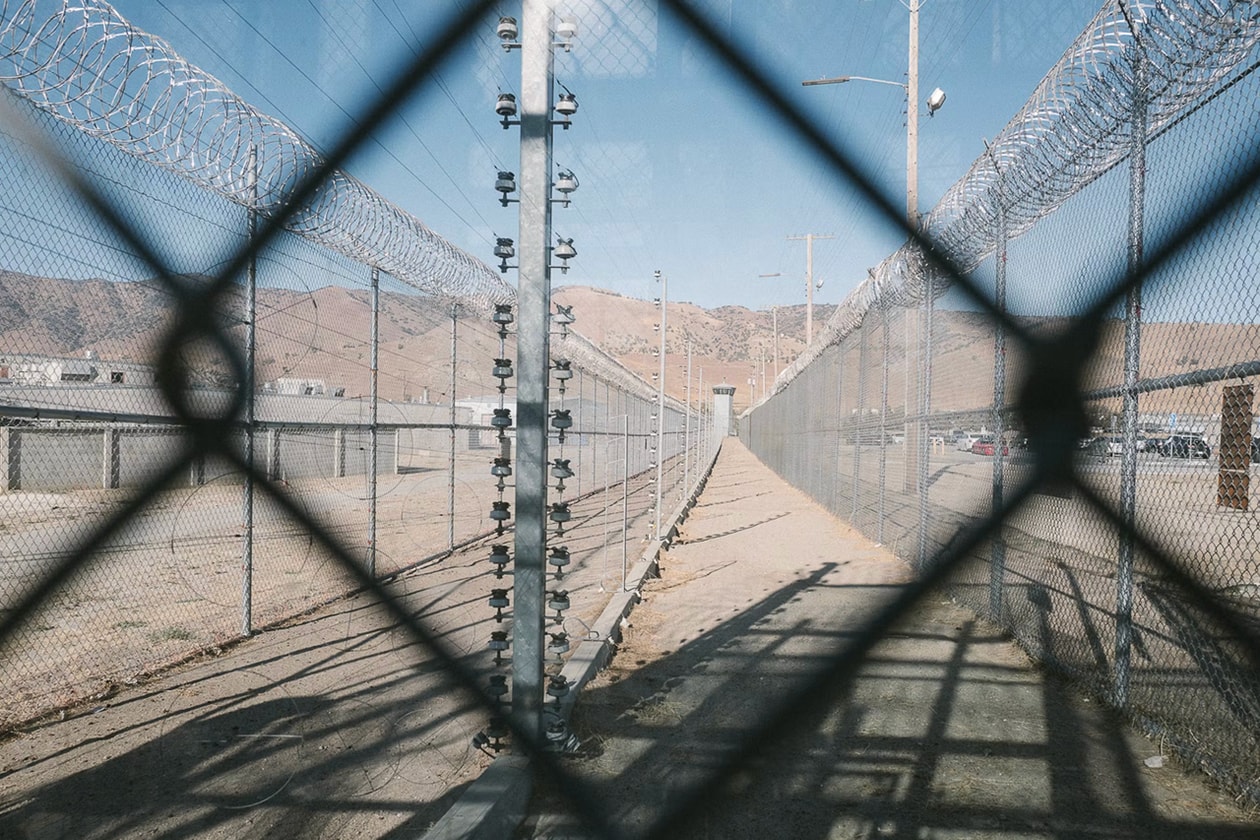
713, 721
333, 725
170, 584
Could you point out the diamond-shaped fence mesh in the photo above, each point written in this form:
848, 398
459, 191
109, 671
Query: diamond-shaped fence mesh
1086, 570
269, 387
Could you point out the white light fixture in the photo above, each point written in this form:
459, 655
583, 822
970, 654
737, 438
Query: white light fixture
935, 101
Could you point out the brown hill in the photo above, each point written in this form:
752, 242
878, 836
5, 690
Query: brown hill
324, 335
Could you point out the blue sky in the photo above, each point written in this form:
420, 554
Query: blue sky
680, 170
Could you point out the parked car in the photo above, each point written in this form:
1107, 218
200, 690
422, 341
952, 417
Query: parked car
964, 440
1184, 446
986, 445
1107, 446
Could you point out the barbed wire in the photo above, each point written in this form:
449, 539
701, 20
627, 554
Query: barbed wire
90, 68
1071, 130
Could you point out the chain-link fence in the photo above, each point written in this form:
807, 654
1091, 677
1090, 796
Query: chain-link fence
295, 389
1070, 436
378, 406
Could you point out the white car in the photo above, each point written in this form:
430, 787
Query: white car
963, 441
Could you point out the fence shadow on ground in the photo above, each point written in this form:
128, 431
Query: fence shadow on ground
948, 731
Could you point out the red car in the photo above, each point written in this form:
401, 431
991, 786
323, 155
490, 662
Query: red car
986, 446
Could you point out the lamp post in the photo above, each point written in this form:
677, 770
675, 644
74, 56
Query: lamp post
911, 87
916, 436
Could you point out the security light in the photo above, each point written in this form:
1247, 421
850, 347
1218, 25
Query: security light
935, 101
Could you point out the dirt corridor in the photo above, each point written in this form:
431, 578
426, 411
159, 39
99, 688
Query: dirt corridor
950, 731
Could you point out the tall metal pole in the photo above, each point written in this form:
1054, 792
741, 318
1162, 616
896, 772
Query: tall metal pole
450, 478
912, 121
916, 448
533, 345
861, 419
687, 429
625, 497
1132, 358
809, 280
997, 564
373, 405
660, 403
251, 348
581, 432
883, 420
774, 314
924, 404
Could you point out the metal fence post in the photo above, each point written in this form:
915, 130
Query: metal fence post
925, 408
883, 420
861, 414
625, 497
997, 565
582, 432
835, 492
660, 407
533, 346
373, 405
1132, 357
251, 346
450, 477
687, 429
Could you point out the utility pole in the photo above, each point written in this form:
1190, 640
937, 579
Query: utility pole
809, 279
774, 314
912, 121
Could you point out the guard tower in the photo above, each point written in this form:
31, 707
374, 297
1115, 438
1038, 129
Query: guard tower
723, 397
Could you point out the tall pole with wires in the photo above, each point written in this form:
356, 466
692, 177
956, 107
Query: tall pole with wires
809, 279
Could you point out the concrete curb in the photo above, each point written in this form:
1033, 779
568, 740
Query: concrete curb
494, 805
593, 654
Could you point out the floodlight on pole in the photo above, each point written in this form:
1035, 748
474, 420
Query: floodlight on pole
911, 87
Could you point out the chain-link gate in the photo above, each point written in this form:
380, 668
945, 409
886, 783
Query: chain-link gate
214, 491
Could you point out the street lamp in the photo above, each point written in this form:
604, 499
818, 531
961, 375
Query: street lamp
916, 437
911, 87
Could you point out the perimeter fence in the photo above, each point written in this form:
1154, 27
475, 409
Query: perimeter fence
1049, 399
216, 211
199, 420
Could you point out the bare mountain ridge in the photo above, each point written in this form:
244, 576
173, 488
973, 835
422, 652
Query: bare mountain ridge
324, 335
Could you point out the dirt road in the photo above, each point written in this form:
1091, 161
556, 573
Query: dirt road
949, 731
